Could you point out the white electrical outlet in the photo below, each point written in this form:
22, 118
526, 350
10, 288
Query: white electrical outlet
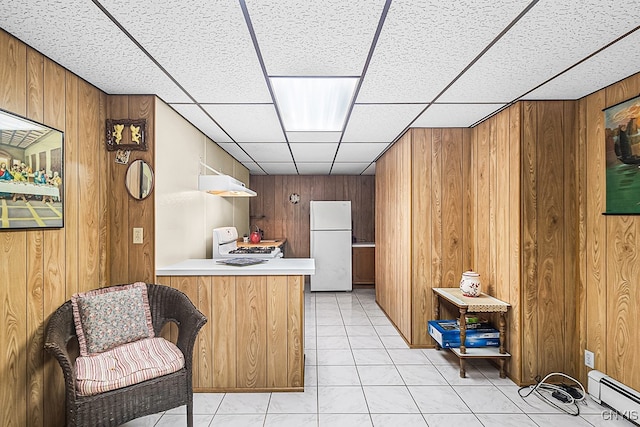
589, 359
137, 235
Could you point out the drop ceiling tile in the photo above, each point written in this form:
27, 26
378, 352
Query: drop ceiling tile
318, 38
314, 151
550, 38
251, 123
199, 119
237, 153
425, 44
454, 115
360, 152
279, 168
267, 152
379, 123
349, 168
204, 45
596, 72
92, 46
254, 169
371, 170
314, 168
314, 136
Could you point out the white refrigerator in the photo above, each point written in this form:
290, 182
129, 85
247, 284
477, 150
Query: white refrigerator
331, 245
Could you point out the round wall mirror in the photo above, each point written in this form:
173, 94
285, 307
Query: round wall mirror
139, 180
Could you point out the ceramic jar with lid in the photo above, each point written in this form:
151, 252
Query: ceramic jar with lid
470, 284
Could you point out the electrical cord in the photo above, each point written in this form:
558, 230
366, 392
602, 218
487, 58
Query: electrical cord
561, 396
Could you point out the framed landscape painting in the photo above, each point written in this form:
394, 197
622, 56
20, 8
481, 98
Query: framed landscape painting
622, 154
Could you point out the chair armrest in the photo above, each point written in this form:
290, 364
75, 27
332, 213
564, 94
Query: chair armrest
60, 329
170, 305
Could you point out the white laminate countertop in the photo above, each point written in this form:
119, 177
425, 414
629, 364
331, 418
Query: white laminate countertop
209, 267
364, 245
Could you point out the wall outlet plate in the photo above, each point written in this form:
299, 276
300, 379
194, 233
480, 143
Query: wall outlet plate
589, 359
137, 235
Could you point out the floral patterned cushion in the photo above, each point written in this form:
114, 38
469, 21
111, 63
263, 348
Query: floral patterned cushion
108, 317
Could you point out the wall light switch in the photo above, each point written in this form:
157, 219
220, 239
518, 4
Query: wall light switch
137, 235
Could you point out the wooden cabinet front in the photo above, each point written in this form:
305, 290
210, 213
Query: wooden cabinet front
363, 265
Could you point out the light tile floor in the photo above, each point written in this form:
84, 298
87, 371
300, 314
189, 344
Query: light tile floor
360, 372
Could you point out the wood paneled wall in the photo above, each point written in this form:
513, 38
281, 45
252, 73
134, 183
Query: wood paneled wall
128, 262
423, 210
393, 234
608, 291
43, 268
272, 212
525, 230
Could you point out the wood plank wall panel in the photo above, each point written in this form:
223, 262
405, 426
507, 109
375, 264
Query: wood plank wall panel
482, 218
284, 219
452, 207
404, 231
581, 257
142, 212
550, 163
223, 291
201, 356
596, 315
43, 264
393, 238
295, 328
381, 218
251, 311
502, 198
572, 356
276, 327
128, 262
529, 243
118, 108
421, 196
421, 265
435, 206
467, 199
514, 340
34, 259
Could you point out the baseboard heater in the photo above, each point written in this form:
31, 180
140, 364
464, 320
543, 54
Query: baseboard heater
607, 391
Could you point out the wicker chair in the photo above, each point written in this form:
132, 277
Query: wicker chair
118, 406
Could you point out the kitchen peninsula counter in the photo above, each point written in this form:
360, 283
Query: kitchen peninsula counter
209, 267
254, 337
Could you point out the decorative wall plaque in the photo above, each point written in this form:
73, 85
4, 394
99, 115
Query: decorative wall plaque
126, 134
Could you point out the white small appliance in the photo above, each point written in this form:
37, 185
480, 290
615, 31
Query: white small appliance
330, 224
225, 245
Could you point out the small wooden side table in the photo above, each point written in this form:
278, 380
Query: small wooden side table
482, 304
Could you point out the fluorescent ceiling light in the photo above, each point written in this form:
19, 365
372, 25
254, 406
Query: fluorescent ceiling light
313, 103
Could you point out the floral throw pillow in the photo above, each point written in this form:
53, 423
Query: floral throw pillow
108, 317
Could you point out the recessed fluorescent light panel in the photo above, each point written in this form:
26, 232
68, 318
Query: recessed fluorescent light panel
313, 104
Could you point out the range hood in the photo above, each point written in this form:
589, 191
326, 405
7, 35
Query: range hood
223, 185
